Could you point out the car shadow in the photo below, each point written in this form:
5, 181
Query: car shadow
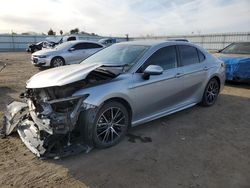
238, 84
171, 149
43, 68
5, 99
5, 93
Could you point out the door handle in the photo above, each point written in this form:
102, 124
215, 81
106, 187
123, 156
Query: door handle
178, 75
205, 68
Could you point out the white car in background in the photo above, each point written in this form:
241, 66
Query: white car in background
71, 52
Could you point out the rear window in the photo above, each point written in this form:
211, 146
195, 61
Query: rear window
188, 55
71, 38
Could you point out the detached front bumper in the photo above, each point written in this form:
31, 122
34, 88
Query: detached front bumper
43, 137
30, 136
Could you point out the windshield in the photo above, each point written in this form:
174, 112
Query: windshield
118, 55
64, 45
237, 48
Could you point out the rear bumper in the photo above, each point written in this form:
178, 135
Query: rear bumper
238, 72
238, 78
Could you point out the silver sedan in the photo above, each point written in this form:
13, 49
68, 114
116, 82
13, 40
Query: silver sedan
127, 84
71, 52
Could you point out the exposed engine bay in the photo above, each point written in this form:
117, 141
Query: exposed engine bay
47, 119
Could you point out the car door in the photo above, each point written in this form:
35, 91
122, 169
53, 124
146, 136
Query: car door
91, 48
159, 93
75, 53
194, 70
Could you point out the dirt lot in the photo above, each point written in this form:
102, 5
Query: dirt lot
198, 147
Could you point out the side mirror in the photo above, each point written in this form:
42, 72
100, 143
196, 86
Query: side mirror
71, 49
152, 70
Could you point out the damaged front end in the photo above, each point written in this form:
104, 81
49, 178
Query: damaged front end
47, 127
47, 120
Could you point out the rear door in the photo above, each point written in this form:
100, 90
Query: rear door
90, 48
194, 72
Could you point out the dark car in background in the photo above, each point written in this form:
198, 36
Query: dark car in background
35, 47
237, 59
50, 42
40, 45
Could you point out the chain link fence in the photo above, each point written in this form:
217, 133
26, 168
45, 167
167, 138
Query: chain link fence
208, 41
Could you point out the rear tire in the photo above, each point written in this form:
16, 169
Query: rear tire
211, 92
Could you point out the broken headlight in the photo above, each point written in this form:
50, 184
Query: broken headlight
66, 104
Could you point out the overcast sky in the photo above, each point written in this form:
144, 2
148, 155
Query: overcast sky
118, 17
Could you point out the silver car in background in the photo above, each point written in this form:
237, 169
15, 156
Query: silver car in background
93, 104
71, 52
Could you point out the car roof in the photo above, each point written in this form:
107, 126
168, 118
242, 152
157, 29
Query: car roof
80, 41
154, 42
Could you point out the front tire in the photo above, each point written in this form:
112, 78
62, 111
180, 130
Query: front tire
110, 125
57, 62
211, 92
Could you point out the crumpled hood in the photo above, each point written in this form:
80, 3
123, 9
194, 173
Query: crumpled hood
61, 75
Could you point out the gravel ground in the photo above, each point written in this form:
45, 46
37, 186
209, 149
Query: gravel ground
197, 147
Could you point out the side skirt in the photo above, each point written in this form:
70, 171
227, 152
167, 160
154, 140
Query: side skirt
161, 114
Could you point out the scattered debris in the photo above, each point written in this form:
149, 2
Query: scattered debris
183, 138
195, 175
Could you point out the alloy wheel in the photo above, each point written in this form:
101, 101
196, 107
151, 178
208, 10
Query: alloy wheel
110, 125
58, 62
212, 92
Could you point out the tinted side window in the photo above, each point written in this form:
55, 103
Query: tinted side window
92, 45
188, 55
79, 46
71, 38
201, 55
164, 57
86, 45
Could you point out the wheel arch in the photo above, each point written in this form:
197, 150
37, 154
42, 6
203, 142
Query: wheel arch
58, 56
217, 78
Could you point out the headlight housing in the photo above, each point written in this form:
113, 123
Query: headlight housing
42, 56
66, 104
